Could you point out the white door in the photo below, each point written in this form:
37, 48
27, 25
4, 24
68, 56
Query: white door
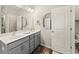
61, 29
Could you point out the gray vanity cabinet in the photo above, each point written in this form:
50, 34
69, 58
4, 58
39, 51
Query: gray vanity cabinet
32, 43
37, 39
24, 45
19, 47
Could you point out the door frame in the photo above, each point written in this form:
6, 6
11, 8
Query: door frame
72, 40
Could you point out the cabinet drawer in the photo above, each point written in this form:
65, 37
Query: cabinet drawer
32, 48
16, 43
18, 51
32, 36
22, 49
37, 33
37, 36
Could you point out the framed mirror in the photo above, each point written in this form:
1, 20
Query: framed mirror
47, 21
12, 19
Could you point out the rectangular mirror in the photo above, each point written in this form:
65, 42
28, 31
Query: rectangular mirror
12, 19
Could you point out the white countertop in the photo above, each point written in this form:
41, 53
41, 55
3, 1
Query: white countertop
13, 36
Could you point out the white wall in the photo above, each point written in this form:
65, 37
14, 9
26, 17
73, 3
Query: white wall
45, 34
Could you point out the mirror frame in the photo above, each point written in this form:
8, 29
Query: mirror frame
47, 15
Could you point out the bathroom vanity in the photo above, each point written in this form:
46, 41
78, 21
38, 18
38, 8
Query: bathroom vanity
20, 42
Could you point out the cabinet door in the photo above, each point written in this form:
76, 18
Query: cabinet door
32, 44
16, 43
32, 48
61, 29
21, 49
37, 40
